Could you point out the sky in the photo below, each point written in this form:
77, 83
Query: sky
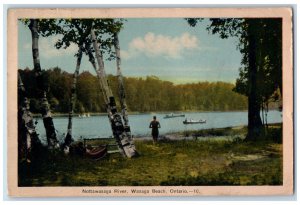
164, 47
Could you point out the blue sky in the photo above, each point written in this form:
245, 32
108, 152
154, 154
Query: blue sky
168, 48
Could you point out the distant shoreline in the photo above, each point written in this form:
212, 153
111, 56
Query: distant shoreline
37, 115
140, 113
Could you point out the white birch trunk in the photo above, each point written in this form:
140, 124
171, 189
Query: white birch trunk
120, 82
69, 137
45, 111
100, 70
125, 142
27, 136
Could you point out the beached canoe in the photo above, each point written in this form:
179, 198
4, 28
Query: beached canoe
97, 153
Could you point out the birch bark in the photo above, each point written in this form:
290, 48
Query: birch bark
124, 141
69, 138
121, 86
45, 110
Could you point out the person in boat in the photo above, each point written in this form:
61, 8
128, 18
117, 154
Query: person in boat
154, 124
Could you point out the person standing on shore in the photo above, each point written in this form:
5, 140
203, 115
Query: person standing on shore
154, 124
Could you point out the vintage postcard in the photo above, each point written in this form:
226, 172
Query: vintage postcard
150, 102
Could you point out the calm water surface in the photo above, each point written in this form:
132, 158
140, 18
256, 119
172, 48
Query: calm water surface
98, 126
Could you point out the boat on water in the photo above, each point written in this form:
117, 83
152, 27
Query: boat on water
191, 121
173, 115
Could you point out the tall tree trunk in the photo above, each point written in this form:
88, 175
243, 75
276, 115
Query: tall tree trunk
101, 78
262, 113
28, 140
266, 114
93, 62
69, 138
254, 120
101, 72
45, 110
121, 87
125, 142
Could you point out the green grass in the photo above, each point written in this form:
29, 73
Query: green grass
180, 162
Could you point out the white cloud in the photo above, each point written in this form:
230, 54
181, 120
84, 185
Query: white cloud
47, 49
153, 45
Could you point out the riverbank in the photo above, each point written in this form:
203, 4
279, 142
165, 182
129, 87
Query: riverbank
208, 157
38, 115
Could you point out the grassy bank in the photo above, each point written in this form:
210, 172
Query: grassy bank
170, 162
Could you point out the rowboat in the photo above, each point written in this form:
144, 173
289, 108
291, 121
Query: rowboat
191, 121
173, 115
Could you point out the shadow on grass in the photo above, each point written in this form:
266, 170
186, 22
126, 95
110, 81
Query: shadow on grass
168, 163
252, 172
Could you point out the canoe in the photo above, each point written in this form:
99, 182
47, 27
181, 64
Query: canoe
97, 153
194, 121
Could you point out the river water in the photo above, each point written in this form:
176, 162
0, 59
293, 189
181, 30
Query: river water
98, 126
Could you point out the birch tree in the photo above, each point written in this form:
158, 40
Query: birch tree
28, 140
102, 32
121, 87
76, 31
34, 26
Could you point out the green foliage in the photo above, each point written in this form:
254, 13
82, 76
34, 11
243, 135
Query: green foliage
193, 21
88, 93
77, 31
142, 95
267, 33
268, 37
260, 43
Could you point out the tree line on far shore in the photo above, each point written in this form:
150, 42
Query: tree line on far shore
142, 94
